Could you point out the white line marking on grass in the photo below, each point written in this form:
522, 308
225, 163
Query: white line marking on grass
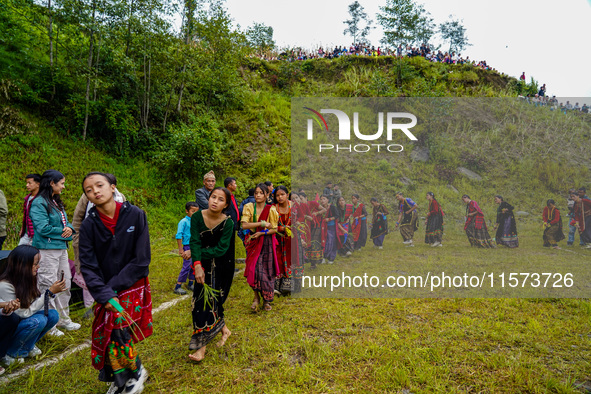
85, 345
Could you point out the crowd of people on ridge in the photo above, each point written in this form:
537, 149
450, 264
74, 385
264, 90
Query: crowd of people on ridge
362, 49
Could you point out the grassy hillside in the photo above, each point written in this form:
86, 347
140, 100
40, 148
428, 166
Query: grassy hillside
348, 345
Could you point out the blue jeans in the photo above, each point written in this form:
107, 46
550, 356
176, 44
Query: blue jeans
8, 325
572, 230
30, 331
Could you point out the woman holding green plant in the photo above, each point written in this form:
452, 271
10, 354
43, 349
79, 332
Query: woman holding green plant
114, 251
211, 234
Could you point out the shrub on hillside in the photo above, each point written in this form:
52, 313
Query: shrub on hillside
191, 150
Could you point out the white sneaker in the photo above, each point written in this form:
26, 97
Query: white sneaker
348, 254
55, 332
35, 352
323, 261
8, 361
410, 245
380, 247
114, 389
136, 386
330, 262
70, 326
406, 242
436, 243
588, 246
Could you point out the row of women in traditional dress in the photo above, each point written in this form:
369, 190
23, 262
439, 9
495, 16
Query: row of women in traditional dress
327, 230
581, 220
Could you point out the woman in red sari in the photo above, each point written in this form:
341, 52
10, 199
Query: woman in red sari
344, 238
359, 223
552, 225
284, 282
434, 222
261, 257
582, 217
298, 229
313, 216
475, 226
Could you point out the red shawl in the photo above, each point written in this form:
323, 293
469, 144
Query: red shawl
582, 211
302, 224
434, 208
255, 246
551, 216
314, 207
478, 219
137, 303
356, 225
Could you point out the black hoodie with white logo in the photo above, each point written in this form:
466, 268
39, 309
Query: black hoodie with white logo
113, 263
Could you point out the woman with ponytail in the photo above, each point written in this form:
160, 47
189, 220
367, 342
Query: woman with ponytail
53, 231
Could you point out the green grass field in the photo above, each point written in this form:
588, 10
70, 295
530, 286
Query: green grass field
357, 344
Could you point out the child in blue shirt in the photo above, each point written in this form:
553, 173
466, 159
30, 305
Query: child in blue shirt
183, 236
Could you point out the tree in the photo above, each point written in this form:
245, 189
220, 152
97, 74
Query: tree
354, 25
454, 31
260, 37
401, 20
404, 23
425, 27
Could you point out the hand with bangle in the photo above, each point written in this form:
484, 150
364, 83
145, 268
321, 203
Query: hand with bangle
199, 272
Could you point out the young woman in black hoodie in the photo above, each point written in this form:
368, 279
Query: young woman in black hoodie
114, 259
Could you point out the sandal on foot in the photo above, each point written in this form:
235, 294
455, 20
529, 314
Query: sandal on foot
267, 306
255, 306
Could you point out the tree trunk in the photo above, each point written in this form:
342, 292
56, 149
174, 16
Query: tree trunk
167, 109
149, 86
128, 38
98, 57
90, 55
189, 13
50, 34
182, 88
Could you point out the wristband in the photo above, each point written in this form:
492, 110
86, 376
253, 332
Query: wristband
263, 223
266, 231
116, 305
197, 263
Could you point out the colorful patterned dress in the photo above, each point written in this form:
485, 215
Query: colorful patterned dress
261, 256
409, 223
507, 227
210, 246
553, 232
434, 230
475, 227
582, 215
344, 235
284, 283
359, 226
379, 227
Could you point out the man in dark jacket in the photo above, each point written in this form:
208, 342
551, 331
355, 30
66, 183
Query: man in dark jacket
202, 195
